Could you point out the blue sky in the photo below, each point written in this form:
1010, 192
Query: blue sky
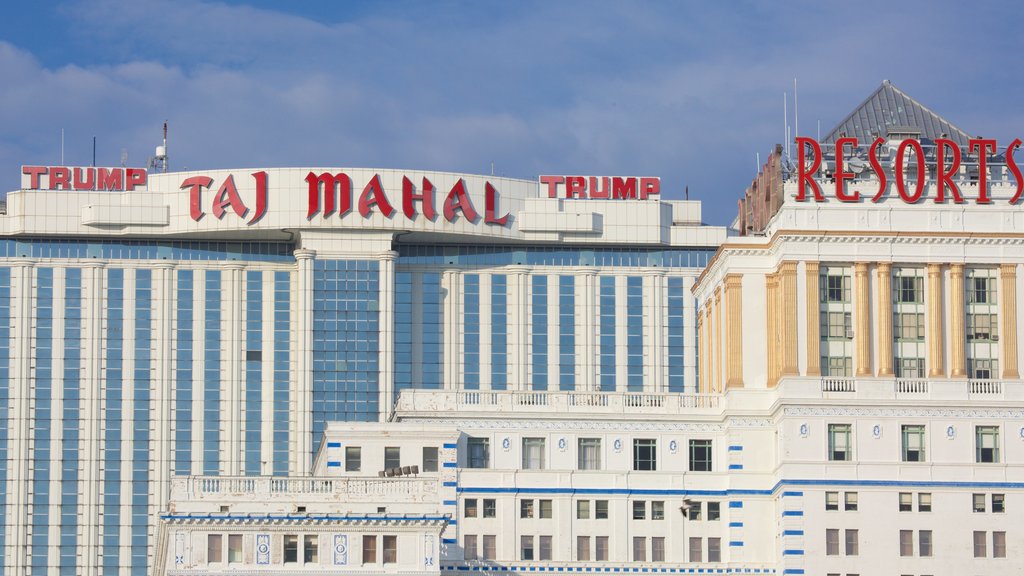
689, 91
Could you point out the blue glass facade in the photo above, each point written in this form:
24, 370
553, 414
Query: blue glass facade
184, 318
539, 332
499, 332
346, 343
471, 331
480, 255
211, 372
675, 337
419, 328
71, 422
634, 334
566, 333
606, 366
253, 439
142, 448
282, 370
42, 438
148, 250
5, 396
113, 422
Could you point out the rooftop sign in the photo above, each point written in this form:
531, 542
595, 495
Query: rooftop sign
601, 187
946, 162
79, 178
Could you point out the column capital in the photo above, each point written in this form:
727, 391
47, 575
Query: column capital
787, 267
733, 280
860, 268
883, 267
1008, 270
956, 270
304, 254
388, 255
935, 269
812, 266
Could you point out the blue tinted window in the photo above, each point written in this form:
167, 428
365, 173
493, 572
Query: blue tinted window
566, 333
539, 331
471, 331
634, 334
499, 332
676, 341
606, 334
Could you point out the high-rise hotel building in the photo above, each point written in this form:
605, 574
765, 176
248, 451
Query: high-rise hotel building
355, 371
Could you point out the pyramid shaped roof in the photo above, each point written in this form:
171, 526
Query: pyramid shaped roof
889, 109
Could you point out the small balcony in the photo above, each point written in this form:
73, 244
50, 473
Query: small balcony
929, 389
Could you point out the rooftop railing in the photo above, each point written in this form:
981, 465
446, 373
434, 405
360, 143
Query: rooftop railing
249, 488
945, 389
557, 401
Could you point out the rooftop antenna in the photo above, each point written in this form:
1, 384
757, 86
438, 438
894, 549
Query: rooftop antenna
61, 146
785, 122
819, 129
796, 111
124, 157
94, 151
159, 161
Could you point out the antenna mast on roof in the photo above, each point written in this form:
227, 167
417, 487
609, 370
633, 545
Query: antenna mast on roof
796, 111
159, 161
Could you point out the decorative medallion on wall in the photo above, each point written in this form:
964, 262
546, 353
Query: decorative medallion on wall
428, 547
673, 446
617, 445
876, 431
804, 430
340, 549
562, 444
263, 549
950, 433
506, 444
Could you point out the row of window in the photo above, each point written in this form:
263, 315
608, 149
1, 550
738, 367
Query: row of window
979, 287
912, 443
589, 450
392, 458
297, 548
924, 502
590, 548
596, 509
909, 326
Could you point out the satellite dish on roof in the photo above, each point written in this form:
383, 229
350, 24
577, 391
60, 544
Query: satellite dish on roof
857, 165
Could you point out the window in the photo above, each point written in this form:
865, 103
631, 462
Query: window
369, 549
982, 369
583, 548
469, 547
980, 550
837, 366
694, 511
657, 510
998, 503
839, 445
908, 326
850, 501
589, 453
639, 549
601, 548
533, 453
235, 548
979, 502
526, 508
353, 458
906, 542
835, 288
700, 455
392, 457
837, 325
658, 549
906, 502
583, 509
913, 443
852, 543
832, 542
601, 509
980, 290
545, 548
479, 452
469, 508
526, 547
909, 367
924, 502
430, 458
645, 454
831, 501
986, 439
910, 289
714, 549
214, 548
490, 508
639, 509
714, 511
924, 542
291, 549
982, 328
490, 547
390, 549
999, 544
696, 550
545, 508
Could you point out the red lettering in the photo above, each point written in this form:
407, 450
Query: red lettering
983, 146
842, 175
85, 184
373, 194
33, 172
649, 186
805, 174
624, 188
901, 185
195, 186
877, 167
552, 182
60, 176
944, 176
606, 187
227, 195
261, 197
457, 199
490, 204
110, 179
575, 186
1014, 169
339, 182
134, 177
426, 198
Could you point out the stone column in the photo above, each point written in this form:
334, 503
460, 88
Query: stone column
302, 417
935, 341
1008, 320
813, 297
518, 328
702, 352
233, 294
716, 341
655, 321
588, 319
386, 321
787, 317
772, 339
883, 325
957, 316
862, 311
734, 330
451, 290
